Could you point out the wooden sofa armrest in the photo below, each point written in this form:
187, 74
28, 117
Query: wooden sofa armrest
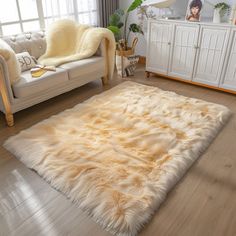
5, 92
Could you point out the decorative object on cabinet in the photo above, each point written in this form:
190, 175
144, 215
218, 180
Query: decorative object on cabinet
144, 13
232, 19
161, 4
216, 16
194, 10
221, 10
197, 53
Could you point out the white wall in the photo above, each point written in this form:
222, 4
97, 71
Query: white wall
179, 7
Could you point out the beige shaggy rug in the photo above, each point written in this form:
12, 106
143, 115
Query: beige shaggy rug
119, 153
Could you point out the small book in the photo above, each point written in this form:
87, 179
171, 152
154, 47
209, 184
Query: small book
37, 72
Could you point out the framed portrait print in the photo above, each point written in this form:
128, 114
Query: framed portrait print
194, 10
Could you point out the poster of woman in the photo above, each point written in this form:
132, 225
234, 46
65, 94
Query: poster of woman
194, 10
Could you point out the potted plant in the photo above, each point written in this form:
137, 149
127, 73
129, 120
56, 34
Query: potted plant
118, 24
222, 9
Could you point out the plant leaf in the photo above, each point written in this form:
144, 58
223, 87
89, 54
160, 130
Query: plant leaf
120, 25
135, 28
114, 29
114, 19
119, 12
134, 5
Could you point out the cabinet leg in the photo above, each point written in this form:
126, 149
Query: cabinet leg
147, 74
105, 80
9, 119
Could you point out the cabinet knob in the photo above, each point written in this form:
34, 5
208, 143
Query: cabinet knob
169, 43
196, 47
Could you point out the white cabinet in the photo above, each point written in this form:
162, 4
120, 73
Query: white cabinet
211, 54
185, 39
159, 38
197, 52
229, 80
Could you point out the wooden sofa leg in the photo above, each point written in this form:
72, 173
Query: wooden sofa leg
9, 119
105, 80
6, 103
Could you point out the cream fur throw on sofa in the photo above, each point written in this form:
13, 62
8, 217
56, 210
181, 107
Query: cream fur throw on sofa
10, 57
68, 41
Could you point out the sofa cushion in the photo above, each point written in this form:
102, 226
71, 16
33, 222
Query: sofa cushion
25, 60
33, 43
27, 85
93, 66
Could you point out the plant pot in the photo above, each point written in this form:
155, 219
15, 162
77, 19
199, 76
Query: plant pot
122, 61
217, 16
126, 60
125, 53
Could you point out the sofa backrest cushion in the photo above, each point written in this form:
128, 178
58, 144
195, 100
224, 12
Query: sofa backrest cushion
34, 43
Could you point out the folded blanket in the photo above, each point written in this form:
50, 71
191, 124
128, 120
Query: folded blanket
68, 41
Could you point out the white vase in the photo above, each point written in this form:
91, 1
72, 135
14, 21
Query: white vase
217, 17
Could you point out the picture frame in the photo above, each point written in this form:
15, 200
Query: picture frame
232, 18
194, 10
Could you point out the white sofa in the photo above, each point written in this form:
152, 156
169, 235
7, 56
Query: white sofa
29, 91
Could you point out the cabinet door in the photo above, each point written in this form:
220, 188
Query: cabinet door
184, 51
158, 51
229, 80
210, 54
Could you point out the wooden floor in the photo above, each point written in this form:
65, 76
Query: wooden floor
203, 203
